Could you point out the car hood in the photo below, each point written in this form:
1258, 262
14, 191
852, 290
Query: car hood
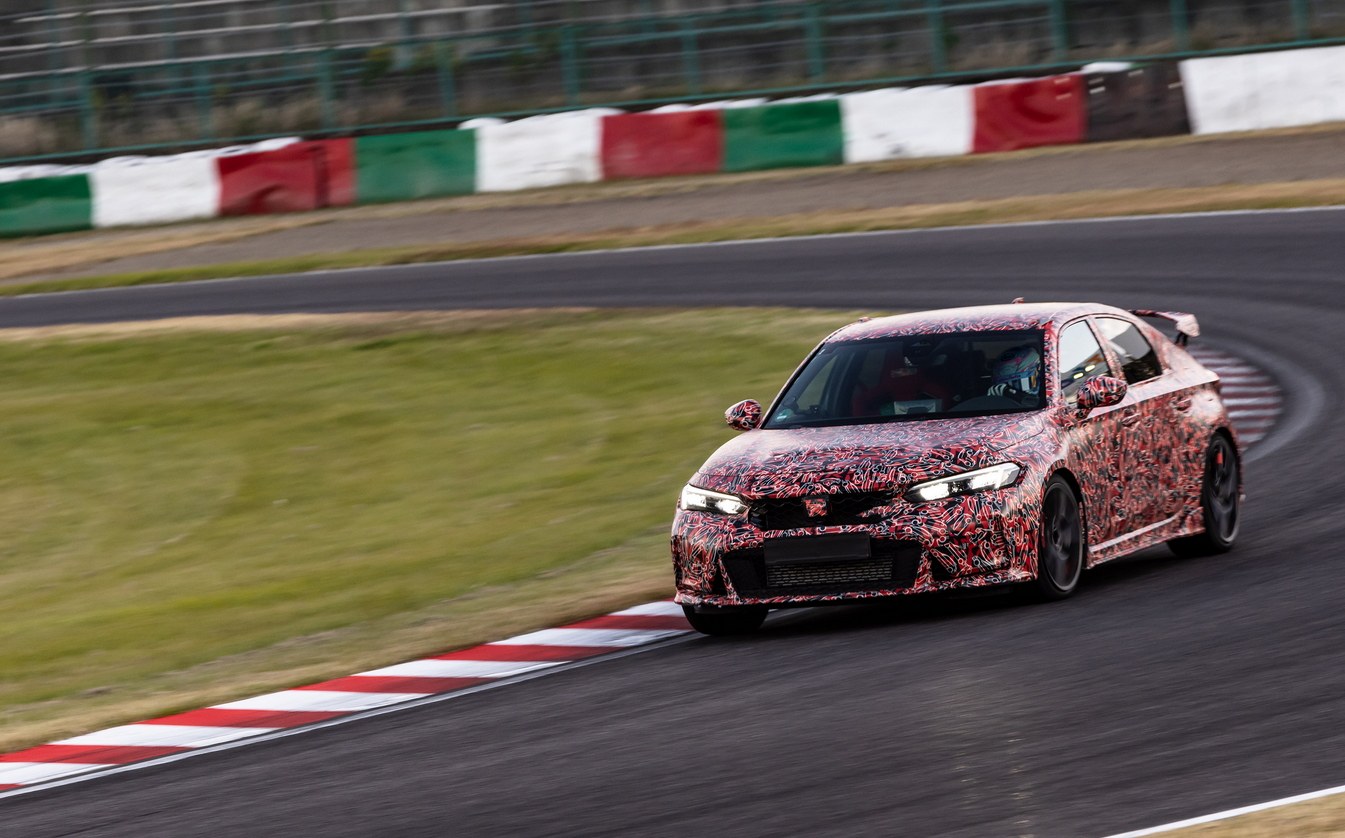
852, 458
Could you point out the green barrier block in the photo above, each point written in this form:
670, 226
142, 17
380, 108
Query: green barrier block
45, 205
779, 136
420, 164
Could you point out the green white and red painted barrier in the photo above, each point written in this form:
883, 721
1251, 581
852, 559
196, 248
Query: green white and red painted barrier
1206, 95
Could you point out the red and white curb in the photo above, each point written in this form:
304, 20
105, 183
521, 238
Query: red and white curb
1253, 401
317, 703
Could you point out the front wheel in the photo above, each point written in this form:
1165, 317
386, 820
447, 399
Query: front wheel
1220, 503
1060, 543
730, 620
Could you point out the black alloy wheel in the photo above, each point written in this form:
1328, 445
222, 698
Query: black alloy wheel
1060, 544
1220, 503
723, 622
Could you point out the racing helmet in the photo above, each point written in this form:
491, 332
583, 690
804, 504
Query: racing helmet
1020, 368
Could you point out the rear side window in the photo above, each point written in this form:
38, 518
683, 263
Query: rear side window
1139, 361
1081, 358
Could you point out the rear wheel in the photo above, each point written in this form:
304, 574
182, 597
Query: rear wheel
1060, 544
730, 620
1220, 503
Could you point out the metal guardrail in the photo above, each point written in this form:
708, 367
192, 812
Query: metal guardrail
104, 77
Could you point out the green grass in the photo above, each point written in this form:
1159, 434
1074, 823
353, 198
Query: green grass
193, 515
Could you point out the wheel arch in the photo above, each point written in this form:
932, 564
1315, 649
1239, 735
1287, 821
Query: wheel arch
1063, 471
1227, 432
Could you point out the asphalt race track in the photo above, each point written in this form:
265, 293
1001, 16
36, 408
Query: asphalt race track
1167, 689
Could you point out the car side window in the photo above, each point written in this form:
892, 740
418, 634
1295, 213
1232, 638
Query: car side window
810, 400
1139, 361
1081, 358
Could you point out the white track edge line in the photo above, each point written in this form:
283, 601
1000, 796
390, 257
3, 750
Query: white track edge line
1111, 219
1231, 813
353, 717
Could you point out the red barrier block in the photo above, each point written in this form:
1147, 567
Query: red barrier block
338, 158
636, 145
1024, 114
289, 179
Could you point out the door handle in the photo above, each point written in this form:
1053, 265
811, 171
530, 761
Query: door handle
1131, 418
1183, 403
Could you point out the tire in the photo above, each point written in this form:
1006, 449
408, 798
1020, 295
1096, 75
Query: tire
728, 621
1220, 503
1060, 542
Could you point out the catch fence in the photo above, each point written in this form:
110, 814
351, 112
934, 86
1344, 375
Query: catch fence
79, 78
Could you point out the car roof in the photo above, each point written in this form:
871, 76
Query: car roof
1007, 317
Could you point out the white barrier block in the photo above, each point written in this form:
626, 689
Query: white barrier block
13, 173
934, 121
539, 151
174, 189
1265, 90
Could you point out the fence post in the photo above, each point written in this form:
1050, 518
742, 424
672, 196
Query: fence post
56, 93
1302, 23
1181, 27
812, 27
88, 113
448, 87
1059, 31
201, 93
569, 65
326, 86
403, 55
691, 58
938, 49
168, 19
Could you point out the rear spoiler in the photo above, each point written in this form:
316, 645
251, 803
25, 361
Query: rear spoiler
1187, 327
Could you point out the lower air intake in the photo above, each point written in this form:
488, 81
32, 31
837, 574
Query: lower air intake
874, 573
892, 566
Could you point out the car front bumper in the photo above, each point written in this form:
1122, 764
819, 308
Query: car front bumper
986, 538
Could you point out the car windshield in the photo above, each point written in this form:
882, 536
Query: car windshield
915, 377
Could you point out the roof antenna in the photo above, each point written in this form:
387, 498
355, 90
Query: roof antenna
1017, 300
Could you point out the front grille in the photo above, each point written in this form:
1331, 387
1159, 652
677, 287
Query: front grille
873, 573
842, 510
892, 567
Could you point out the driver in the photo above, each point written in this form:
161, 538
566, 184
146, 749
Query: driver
1017, 375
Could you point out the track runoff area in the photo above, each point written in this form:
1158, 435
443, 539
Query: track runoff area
1254, 402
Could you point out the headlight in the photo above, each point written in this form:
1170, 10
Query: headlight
993, 477
694, 497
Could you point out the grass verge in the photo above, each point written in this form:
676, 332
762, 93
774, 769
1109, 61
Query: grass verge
1100, 204
204, 510
1322, 817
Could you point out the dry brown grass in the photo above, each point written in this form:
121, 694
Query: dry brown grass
53, 253
1322, 818
374, 322
1078, 205
41, 255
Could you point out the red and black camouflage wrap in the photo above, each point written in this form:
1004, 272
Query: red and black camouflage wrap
744, 415
1137, 466
1109, 386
